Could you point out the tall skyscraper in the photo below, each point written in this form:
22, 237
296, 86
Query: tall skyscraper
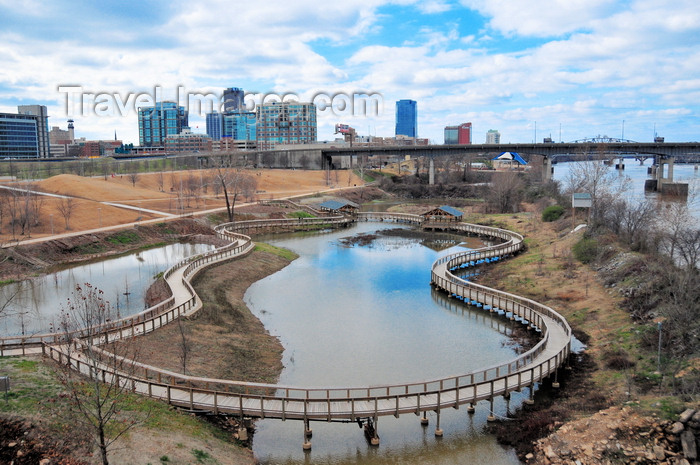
285, 123
215, 124
42, 129
458, 135
240, 125
493, 137
19, 136
160, 121
407, 118
233, 99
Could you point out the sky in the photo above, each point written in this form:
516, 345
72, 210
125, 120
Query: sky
565, 69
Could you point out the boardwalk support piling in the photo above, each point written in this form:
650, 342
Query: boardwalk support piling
491, 416
306, 445
471, 409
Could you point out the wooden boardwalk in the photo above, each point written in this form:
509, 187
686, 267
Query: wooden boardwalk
333, 404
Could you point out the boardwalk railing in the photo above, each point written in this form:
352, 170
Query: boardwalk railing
350, 403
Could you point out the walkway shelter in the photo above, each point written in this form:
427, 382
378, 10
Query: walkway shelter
509, 160
340, 206
444, 214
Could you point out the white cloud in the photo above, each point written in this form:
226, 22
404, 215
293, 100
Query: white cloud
607, 61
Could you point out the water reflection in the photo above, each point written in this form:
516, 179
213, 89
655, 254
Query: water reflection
35, 304
366, 315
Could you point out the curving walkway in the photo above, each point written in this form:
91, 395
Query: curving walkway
332, 404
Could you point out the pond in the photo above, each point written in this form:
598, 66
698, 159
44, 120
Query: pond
35, 304
351, 312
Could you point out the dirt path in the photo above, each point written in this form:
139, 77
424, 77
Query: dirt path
225, 340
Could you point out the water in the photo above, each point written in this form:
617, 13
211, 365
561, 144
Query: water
638, 174
366, 315
124, 280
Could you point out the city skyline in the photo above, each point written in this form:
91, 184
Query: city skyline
565, 70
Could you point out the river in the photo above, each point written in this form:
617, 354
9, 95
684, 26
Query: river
124, 280
365, 314
637, 174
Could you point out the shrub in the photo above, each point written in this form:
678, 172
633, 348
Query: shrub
552, 213
586, 250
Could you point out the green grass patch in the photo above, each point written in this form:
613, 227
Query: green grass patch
165, 228
7, 281
124, 237
585, 250
91, 249
284, 253
300, 214
552, 213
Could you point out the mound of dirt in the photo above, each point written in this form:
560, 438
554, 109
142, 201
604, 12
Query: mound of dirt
23, 442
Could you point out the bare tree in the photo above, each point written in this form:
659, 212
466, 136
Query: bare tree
100, 391
634, 223
65, 208
161, 181
185, 345
233, 181
505, 192
133, 177
601, 181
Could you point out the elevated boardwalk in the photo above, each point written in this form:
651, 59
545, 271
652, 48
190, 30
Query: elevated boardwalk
354, 403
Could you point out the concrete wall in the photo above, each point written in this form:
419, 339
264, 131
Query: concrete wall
301, 159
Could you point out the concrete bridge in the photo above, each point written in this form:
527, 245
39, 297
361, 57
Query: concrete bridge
353, 403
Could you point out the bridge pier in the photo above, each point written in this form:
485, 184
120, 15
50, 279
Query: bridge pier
374, 440
431, 172
491, 416
547, 170
438, 430
531, 397
306, 445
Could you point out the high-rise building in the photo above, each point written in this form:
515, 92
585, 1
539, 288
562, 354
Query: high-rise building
42, 129
160, 121
240, 125
18, 136
285, 123
407, 118
458, 135
493, 137
233, 99
215, 124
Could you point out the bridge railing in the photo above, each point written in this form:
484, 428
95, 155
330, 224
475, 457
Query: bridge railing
140, 322
165, 311
389, 216
270, 400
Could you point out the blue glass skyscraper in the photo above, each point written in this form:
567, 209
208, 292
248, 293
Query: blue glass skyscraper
160, 121
407, 118
239, 126
215, 124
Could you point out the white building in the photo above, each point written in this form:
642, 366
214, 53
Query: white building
493, 137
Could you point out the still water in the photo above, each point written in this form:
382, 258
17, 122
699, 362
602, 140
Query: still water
358, 315
124, 280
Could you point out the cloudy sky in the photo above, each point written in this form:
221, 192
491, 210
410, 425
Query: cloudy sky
569, 69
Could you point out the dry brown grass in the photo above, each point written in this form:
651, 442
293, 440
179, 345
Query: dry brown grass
89, 193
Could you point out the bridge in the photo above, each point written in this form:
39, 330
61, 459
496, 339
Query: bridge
547, 150
353, 403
